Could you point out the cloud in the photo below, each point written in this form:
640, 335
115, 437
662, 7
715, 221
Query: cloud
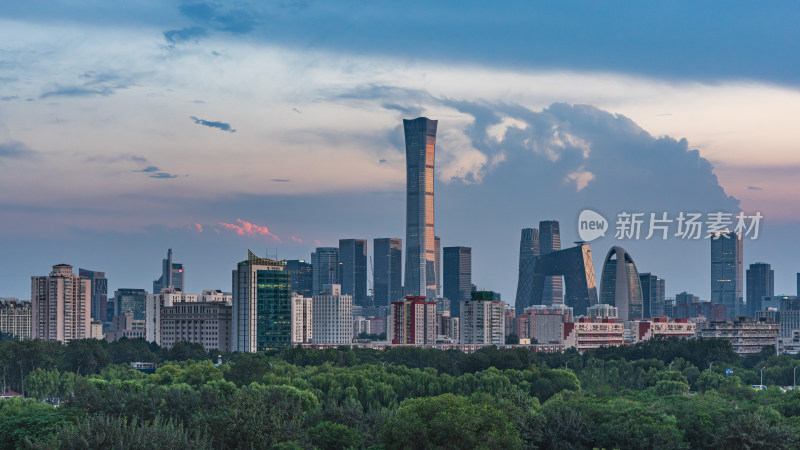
155, 172
233, 20
281, 180
9, 98
245, 228
149, 169
15, 150
195, 227
581, 178
185, 34
162, 175
755, 188
296, 239
221, 125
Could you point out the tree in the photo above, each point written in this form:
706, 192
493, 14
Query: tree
335, 436
449, 422
85, 356
762, 429
512, 339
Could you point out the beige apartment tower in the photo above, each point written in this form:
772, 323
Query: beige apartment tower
61, 305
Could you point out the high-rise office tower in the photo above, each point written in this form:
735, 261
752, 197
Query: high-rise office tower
726, 272
420, 274
528, 251
131, 300
620, 285
550, 241
61, 304
437, 247
332, 316
457, 277
99, 292
798, 285
353, 263
262, 305
653, 295
387, 282
760, 284
302, 277
325, 268
172, 275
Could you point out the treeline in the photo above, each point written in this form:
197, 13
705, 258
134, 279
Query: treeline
659, 394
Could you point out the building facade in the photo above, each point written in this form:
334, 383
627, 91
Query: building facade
262, 305
61, 306
302, 277
155, 304
760, 284
99, 295
412, 321
204, 323
577, 269
602, 311
130, 300
482, 320
302, 325
15, 318
745, 334
653, 295
662, 327
528, 251
388, 271
726, 272
332, 316
172, 275
126, 325
549, 242
457, 277
621, 286
589, 334
353, 263
325, 268
420, 273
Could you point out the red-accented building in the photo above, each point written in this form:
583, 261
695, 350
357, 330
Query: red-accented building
412, 321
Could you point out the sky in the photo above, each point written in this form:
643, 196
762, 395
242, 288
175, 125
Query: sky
216, 127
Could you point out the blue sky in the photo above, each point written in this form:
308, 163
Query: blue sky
216, 127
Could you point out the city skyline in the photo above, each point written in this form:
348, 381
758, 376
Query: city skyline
177, 142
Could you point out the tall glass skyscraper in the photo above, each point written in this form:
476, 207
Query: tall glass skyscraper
550, 241
302, 279
99, 293
131, 300
171, 275
262, 305
457, 277
420, 274
760, 284
388, 270
325, 268
620, 285
437, 247
528, 251
353, 263
726, 272
653, 295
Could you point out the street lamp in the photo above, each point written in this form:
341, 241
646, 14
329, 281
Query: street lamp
762, 377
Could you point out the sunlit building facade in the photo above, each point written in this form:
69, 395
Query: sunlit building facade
420, 273
61, 306
620, 285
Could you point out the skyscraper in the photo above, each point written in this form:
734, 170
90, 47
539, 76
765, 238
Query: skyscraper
653, 295
760, 284
420, 277
457, 277
726, 272
99, 292
302, 277
528, 251
325, 268
353, 263
550, 241
61, 304
171, 275
620, 285
437, 246
387, 282
577, 269
262, 305
131, 300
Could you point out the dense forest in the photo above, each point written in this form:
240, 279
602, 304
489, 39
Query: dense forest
665, 394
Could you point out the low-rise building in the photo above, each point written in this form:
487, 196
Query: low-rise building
662, 327
125, 325
602, 311
586, 334
155, 304
745, 334
788, 345
204, 323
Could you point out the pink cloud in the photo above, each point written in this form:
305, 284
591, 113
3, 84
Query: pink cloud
249, 229
318, 242
296, 239
197, 227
